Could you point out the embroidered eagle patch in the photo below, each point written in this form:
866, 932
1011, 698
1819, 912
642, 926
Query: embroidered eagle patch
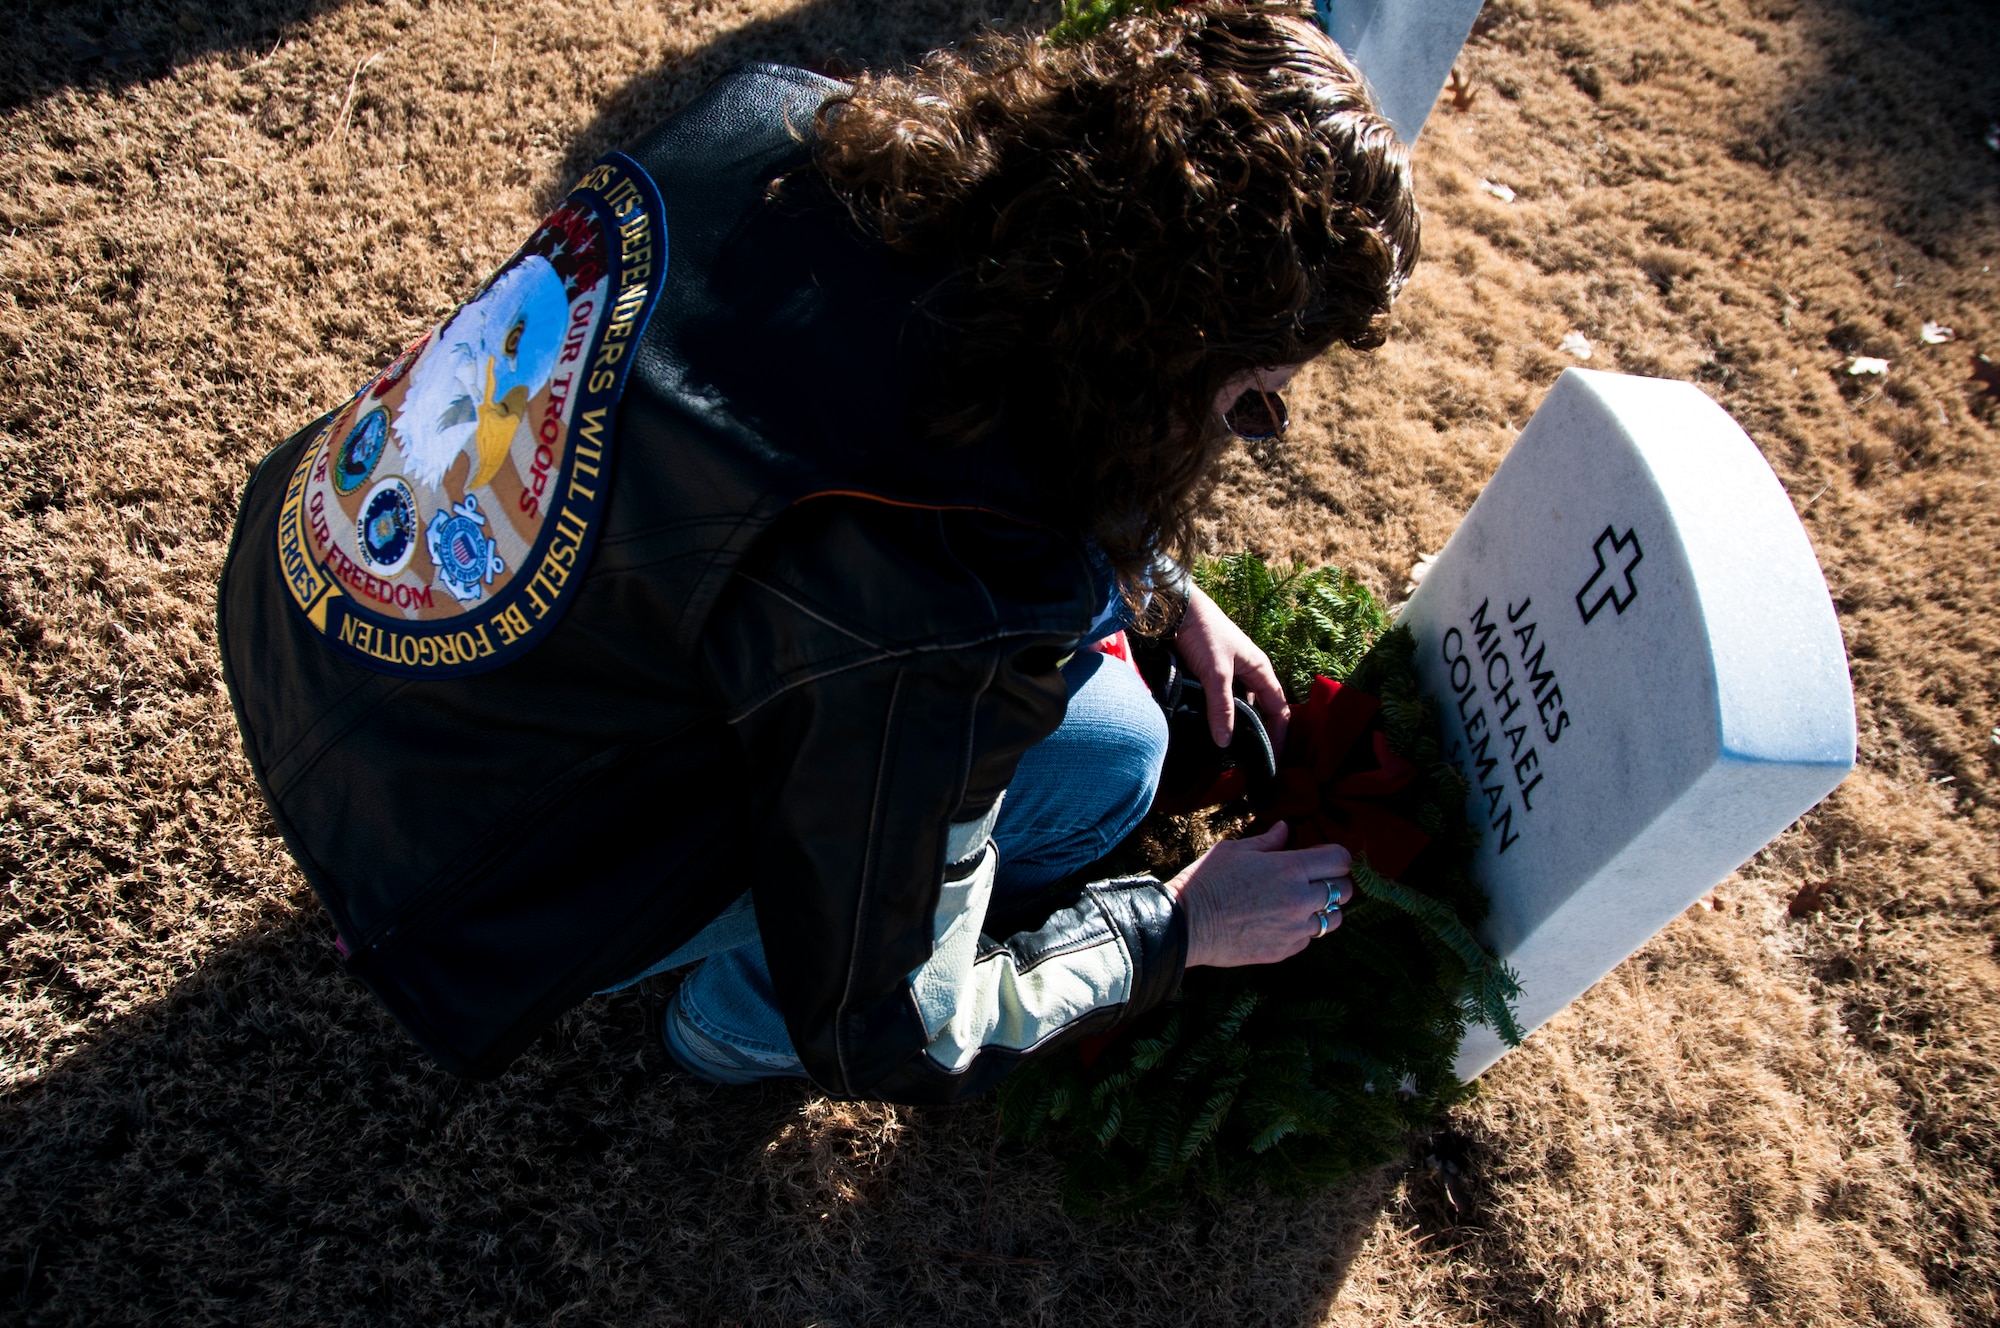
442, 520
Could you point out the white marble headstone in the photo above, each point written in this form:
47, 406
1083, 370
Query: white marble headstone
1639, 671
1405, 48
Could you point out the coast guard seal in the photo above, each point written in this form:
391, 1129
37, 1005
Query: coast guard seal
440, 521
466, 556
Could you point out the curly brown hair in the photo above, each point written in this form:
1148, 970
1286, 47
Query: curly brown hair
1129, 221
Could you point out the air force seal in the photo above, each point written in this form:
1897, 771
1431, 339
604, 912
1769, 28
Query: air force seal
386, 530
442, 520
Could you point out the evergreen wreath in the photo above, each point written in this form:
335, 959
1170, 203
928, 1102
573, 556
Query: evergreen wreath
1083, 19
1291, 1076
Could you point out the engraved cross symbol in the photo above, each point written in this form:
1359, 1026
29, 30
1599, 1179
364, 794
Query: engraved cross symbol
1617, 555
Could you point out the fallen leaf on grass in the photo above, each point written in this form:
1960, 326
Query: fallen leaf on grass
1807, 901
1575, 343
1422, 567
1935, 334
1867, 364
1499, 191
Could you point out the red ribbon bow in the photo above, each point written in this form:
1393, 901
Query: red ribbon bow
1327, 786
1331, 784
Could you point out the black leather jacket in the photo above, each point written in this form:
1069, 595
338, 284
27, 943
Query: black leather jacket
805, 660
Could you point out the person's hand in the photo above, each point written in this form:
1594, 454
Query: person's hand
1217, 653
1249, 901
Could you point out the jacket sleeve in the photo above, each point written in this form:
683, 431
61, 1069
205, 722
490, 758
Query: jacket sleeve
877, 760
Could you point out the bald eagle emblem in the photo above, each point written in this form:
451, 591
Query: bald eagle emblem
469, 390
441, 521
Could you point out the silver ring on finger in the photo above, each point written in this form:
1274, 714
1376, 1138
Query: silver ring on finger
1326, 922
1332, 884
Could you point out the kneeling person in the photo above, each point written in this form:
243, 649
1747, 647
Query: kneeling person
717, 584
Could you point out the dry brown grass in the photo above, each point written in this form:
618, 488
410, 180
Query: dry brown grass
1761, 1118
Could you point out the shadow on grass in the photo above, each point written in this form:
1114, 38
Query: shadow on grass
1886, 102
829, 36
1898, 114
72, 43
265, 1146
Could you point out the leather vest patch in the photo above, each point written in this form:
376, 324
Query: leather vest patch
443, 519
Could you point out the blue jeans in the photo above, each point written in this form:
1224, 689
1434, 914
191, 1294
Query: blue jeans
1076, 794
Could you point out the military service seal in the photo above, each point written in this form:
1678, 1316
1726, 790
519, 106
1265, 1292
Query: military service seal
386, 530
488, 443
361, 451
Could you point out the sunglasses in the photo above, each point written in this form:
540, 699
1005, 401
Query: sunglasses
1257, 416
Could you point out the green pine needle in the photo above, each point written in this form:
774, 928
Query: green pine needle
1290, 1076
1083, 19
1493, 984
1309, 622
